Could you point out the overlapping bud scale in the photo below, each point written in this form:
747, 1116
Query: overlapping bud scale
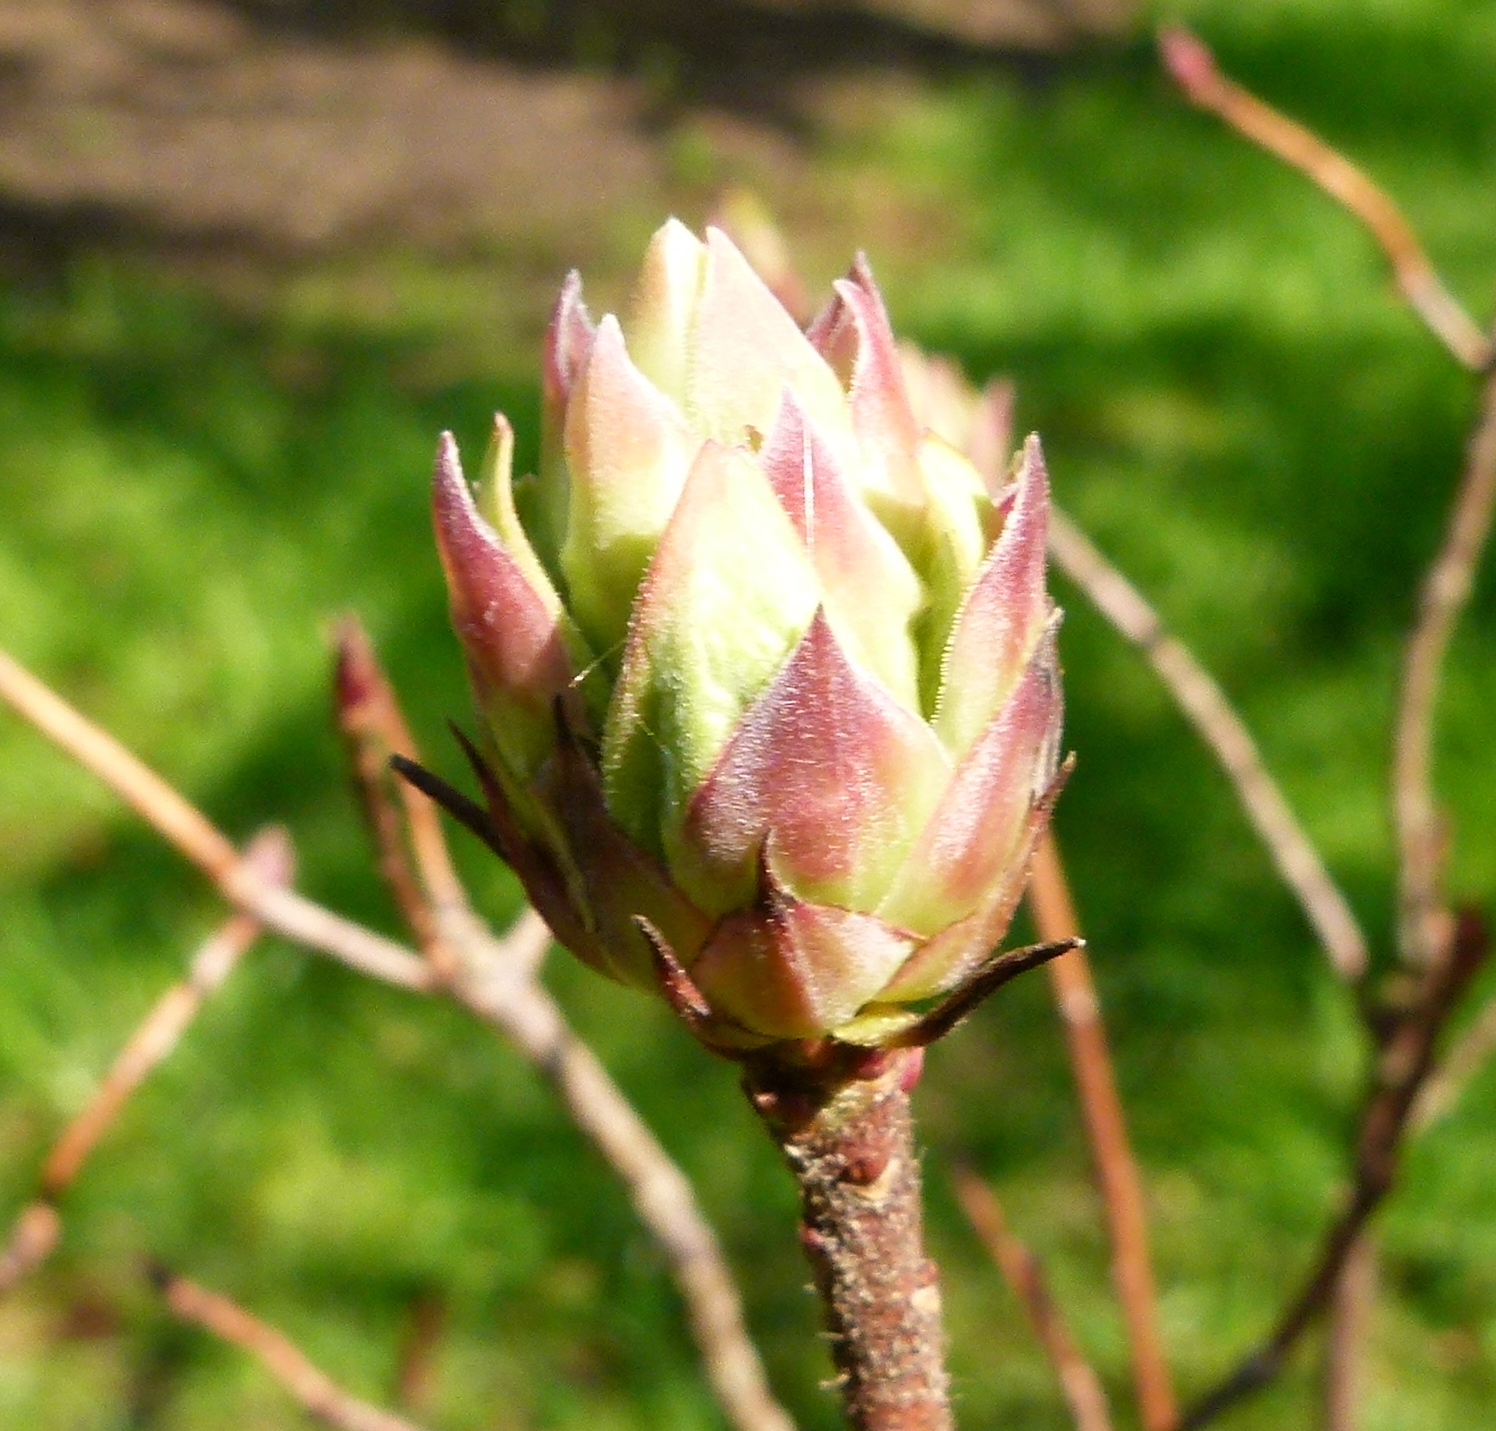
758, 658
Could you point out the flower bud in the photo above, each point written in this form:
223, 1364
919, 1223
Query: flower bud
762, 665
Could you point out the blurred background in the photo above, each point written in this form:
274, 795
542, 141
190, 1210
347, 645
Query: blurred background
254, 255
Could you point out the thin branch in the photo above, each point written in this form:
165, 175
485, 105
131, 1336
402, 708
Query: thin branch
271, 856
1193, 68
1206, 707
193, 835
182, 825
1106, 1129
1413, 1094
430, 896
661, 1196
1446, 589
1079, 1384
1471, 1051
495, 982
1350, 1310
319, 1395
365, 713
38, 1227
384, 721
1406, 1061
1423, 922
33, 1238
298, 919
420, 1349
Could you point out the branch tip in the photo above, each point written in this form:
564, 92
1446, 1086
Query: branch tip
1188, 60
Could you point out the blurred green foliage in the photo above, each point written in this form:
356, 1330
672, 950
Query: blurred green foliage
1238, 411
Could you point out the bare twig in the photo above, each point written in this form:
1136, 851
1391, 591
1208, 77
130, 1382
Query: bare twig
496, 979
1430, 939
32, 1240
322, 1397
1350, 1311
1406, 1062
492, 983
193, 835
658, 1189
182, 825
270, 855
430, 896
1194, 70
37, 1228
298, 919
420, 1349
373, 730
1106, 1130
1081, 1387
1471, 1050
1217, 723
1423, 920
370, 716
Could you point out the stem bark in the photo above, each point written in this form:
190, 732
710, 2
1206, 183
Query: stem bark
849, 1140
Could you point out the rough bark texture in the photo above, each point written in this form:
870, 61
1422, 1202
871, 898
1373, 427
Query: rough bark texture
850, 1144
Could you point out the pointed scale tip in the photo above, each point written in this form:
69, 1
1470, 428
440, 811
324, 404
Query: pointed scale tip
454, 512
1033, 453
959, 1006
829, 763
447, 470
507, 624
1002, 616
747, 348
716, 238
970, 840
854, 335
567, 340
680, 992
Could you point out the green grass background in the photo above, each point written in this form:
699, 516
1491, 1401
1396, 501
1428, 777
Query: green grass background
1237, 409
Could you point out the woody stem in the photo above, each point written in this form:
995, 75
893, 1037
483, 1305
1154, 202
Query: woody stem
849, 1141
